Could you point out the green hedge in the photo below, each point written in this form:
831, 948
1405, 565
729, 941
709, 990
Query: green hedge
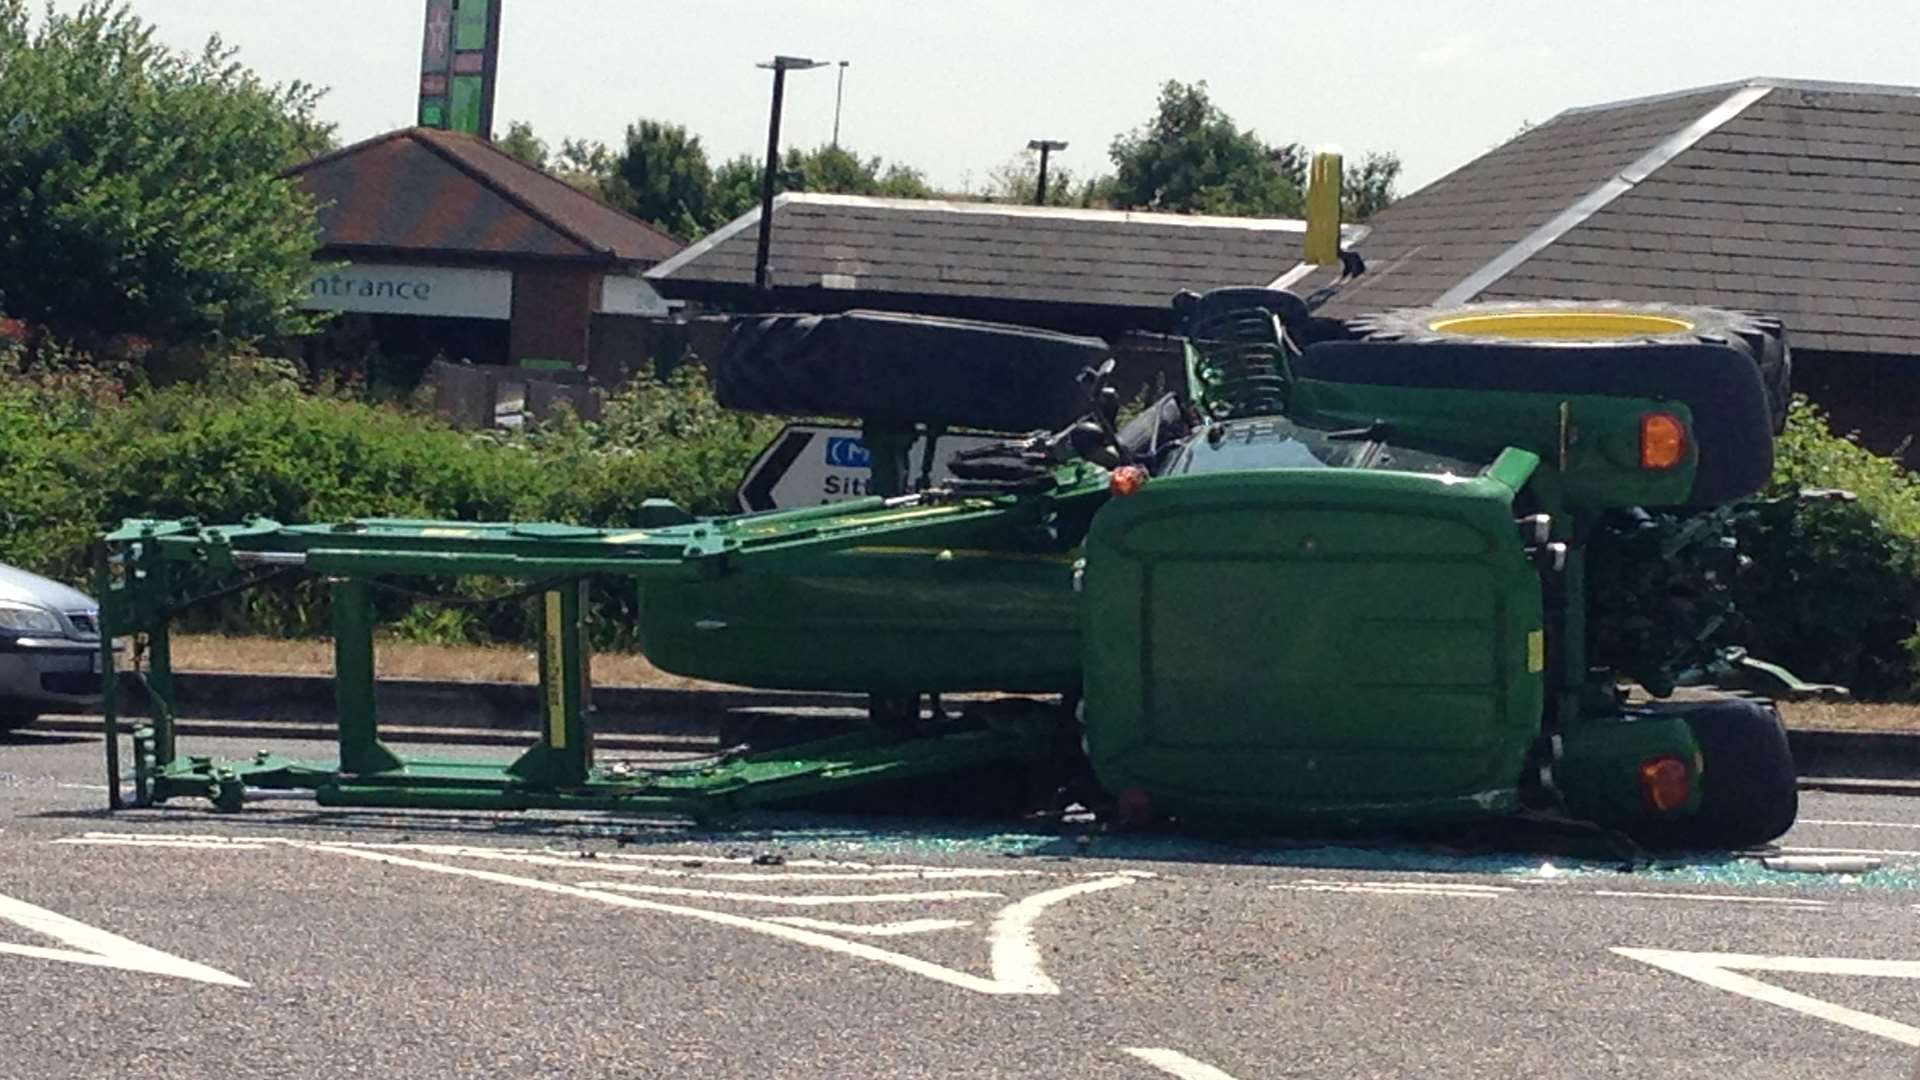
1833, 586
78, 454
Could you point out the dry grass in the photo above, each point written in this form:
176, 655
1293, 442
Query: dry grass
393, 659
1852, 715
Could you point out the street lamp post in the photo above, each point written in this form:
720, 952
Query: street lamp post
839, 85
780, 66
1046, 147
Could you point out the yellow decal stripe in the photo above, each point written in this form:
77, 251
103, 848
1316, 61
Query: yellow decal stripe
555, 676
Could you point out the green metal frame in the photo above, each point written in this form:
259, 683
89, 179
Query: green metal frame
139, 583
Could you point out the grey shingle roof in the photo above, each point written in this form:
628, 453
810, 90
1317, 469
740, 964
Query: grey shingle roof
1804, 202
931, 248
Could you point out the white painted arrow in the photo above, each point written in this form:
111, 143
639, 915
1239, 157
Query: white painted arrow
1720, 970
96, 947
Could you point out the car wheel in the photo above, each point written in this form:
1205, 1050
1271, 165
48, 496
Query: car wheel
1749, 791
14, 721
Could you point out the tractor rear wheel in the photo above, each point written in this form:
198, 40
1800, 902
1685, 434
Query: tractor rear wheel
1727, 367
901, 369
1749, 791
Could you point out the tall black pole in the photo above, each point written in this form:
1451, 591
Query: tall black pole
766, 180
839, 85
1046, 148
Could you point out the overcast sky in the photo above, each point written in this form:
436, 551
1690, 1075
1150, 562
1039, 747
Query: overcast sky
955, 88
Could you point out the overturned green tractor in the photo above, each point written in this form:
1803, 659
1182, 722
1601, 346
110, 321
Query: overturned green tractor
1341, 580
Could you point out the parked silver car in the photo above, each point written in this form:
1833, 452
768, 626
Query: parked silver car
49, 647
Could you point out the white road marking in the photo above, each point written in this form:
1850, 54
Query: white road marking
1397, 888
597, 861
814, 900
1175, 1063
1718, 970
1721, 898
928, 873
1015, 956
95, 947
888, 929
203, 839
1015, 960
1862, 824
167, 842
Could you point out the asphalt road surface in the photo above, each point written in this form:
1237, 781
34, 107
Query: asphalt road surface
290, 941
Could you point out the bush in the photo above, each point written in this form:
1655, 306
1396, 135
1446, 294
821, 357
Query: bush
1833, 588
77, 455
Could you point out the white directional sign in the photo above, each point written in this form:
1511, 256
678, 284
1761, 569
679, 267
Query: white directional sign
95, 947
810, 464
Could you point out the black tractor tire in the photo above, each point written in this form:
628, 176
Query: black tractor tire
899, 369
1702, 357
1766, 338
1749, 791
13, 721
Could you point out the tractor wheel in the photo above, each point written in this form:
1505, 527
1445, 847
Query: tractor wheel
1608, 322
13, 721
1768, 340
1749, 791
903, 369
1728, 368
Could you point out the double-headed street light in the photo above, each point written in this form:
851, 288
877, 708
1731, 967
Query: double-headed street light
780, 66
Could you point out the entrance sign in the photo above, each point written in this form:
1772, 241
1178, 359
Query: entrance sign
811, 464
395, 289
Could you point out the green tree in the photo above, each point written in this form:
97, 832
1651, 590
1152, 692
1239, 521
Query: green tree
735, 189
662, 176
1191, 158
839, 171
1367, 187
586, 164
830, 169
521, 142
1017, 181
139, 187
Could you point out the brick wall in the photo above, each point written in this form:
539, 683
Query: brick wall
553, 314
1878, 396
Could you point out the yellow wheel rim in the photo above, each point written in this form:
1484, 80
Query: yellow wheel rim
1561, 325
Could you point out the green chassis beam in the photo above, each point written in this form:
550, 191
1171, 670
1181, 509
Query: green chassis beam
142, 564
703, 789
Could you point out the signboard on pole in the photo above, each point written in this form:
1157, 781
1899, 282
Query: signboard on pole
458, 63
810, 464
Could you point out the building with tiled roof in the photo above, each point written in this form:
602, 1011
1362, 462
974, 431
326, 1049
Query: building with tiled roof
1099, 271
439, 243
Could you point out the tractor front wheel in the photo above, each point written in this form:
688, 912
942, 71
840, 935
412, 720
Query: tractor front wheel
1749, 791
